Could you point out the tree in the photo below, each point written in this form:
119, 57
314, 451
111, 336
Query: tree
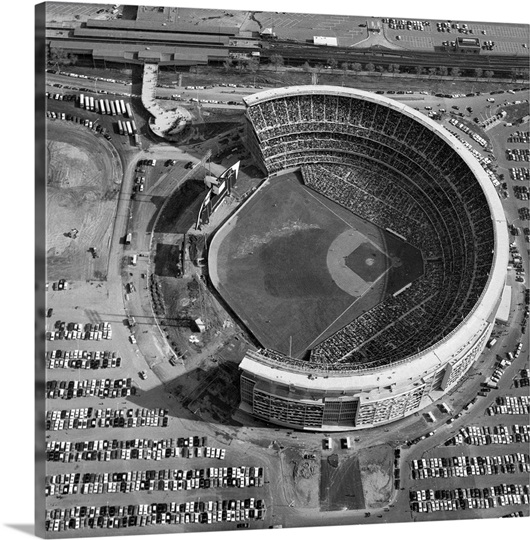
394, 68
60, 58
227, 64
356, 66
478, 72
276, 60
380, 69
433, 71
306, 67
332, 63
252, 64
442, 70
369, 67
418, 70
345, 66
455, 72
488, 74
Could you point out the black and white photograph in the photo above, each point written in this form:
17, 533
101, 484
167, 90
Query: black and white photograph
280, 270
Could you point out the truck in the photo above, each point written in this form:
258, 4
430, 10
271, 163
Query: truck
129, 110
491, 342
134, 259
128, 238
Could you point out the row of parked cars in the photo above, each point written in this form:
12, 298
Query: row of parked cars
96, 128
462, 466
518, 154
147, 453
519, 137
65, 363
89, 418
484, 435
428, 500
102, 388
106, 450
142, 515
520, 173
510, 405
153, 480
73, 330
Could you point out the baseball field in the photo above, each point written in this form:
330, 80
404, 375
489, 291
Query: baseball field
296, 267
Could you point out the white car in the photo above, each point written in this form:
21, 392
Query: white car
132, 338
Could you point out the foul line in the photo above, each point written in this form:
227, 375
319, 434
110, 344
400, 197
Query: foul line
349, 307
365, 292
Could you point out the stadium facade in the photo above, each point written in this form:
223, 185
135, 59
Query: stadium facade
401, 170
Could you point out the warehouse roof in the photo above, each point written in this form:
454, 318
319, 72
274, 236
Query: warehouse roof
163, 27
112, 33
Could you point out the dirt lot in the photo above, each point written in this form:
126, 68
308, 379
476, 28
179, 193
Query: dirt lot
375, 464
83, 184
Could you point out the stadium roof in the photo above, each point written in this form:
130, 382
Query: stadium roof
162, 27
506, 303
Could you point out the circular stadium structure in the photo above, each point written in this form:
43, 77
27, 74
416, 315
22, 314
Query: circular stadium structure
370, 264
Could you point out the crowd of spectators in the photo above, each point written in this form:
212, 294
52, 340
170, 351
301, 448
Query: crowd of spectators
397, 173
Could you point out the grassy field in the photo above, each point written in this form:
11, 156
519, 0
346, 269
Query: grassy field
274, 269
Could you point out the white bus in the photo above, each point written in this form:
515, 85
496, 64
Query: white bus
102, 107
120, 127
113, 108
122, 105
82, 101
118, 107
133, 124
107, 106
129, 128
92, 106
129, 110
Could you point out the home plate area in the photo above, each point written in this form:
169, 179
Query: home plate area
355, 263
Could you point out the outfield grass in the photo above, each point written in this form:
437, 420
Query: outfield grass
272, 266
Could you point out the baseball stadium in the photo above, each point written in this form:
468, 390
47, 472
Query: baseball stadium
369, 265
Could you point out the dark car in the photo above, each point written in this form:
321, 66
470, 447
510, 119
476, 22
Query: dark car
49, 313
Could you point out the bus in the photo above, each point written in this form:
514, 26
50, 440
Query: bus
128, 238
96, 105
118, 107
113, 108
136, 139
133, 124
82, 101
107, 106
122, 105
102, 107
91, 103
129, 128
129, 110
120, 127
